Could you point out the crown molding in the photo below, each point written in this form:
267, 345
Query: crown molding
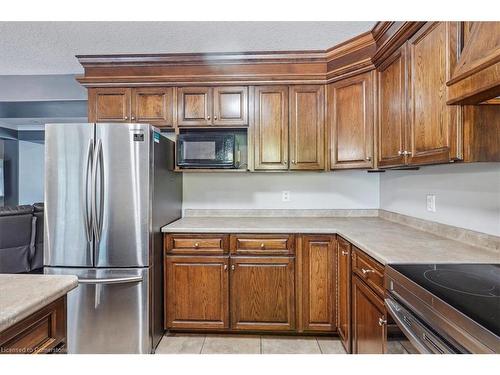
354, 56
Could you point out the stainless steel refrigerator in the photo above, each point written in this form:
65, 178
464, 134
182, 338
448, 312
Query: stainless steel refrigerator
109, 188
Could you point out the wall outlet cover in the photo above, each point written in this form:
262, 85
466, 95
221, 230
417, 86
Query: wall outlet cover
431, 203
285, 196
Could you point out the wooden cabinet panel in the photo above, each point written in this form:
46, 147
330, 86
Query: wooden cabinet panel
262, 244
369, 270
230, 106
350, 121
42, 332
368, 320
307, 124
194, 106
197, 290
392, 110
196, 244
271, 128
109, 104
153, 105
433, 125
344, 292
262, 293
319, 283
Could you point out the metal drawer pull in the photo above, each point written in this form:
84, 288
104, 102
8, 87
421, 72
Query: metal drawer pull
117, 280
365, 271
382, 321
345, 252
262, 245
225, 267
232, 267
196, 245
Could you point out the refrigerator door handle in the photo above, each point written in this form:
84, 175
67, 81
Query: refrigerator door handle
97, 214
117, 280
87, 196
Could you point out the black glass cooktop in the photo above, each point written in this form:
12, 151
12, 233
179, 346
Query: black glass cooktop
473, 289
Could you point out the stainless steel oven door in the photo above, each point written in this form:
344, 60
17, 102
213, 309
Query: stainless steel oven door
421, 337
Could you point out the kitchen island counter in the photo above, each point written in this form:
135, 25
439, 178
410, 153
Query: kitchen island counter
23, 294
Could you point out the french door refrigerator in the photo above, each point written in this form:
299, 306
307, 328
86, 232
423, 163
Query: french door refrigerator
109, 188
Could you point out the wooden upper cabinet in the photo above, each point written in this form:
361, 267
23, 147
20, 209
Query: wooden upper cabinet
307, 127
271, 128
350, 121
368, 320
433, 125
392, 112
153, 105
109, 104
344, 292
197, 292
319, 289
230, 106
194, 106
262, 293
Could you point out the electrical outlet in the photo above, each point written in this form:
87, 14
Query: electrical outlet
285, 196
431, 203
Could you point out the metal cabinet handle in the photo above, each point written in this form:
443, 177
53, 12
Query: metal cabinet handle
345, 252
262, 245
293, 161
284, 162
126, 117
225, 267
368, 158
365, 271
232, 267
382, 321
133, 118
196, 245
208, 117
400, 153
215, 117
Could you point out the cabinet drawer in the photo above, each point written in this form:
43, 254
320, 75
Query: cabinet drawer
368, 270
196, 244
262, 244
42, 332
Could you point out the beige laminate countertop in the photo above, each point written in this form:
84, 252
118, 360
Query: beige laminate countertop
386, 241
22, 295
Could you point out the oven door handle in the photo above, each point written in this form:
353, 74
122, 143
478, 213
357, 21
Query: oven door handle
405, 326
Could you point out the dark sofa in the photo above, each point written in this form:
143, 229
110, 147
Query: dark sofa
21, 238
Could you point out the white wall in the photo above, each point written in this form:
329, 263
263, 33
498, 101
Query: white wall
467, 195
308, 190
31, 172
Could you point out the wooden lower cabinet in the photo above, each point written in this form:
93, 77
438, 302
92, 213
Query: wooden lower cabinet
369, 320
319, 289
42, 332
197, 292
344, 292
262, 293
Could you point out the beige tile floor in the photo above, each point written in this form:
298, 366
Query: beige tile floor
254, 344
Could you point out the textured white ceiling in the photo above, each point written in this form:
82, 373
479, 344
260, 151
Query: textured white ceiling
50, 47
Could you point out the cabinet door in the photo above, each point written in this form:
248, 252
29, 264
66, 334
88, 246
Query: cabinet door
153, 105
271, 127
307, 127
350, 120
433, 125
197, 292
230, 106
392, 110
319, 290
109, 105
368, 320
194, 106
344, 292
262, 293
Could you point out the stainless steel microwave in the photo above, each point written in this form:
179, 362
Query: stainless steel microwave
207, 149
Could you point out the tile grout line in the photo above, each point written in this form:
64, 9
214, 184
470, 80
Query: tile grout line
203, 344
317, 343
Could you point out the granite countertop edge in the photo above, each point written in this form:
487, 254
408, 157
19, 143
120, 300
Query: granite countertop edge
10, 316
